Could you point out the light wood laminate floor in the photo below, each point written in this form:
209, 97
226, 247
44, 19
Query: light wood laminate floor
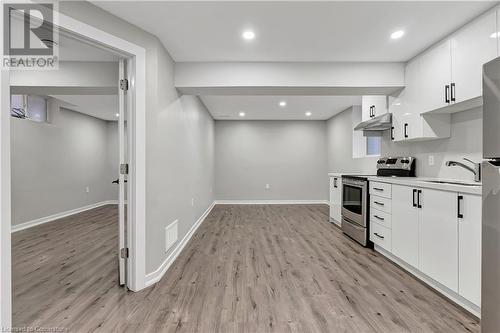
262, 268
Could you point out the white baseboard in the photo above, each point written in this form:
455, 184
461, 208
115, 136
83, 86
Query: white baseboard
156, 276
57, 216
272, 202
447, 292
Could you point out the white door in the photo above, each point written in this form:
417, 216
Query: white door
405, 214
123, 172
435, 77
439, 236
470, 49
469, 247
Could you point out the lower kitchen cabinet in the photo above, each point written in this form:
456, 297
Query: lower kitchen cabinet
469, 247
336, 199
405, 215
438, 233
438, 246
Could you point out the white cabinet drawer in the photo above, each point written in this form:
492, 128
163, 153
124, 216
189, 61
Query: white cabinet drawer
381, 236
381, 203
380, 189
381, 218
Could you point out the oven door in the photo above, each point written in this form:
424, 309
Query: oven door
354, 200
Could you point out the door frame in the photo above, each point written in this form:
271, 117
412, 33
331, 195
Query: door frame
136, 64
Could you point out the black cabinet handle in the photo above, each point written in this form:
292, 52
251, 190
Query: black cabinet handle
376, 216
392, 133
459, 198
453, 92
418, 198
373, 114
406, 129
376, 188
379, 236
414, 203
335, 179
376, 202
370, 111
447, 93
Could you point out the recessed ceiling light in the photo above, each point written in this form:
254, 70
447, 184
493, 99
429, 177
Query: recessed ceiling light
495, 34
282, 104
308, 113
242, 114
248, 34
397, 34
117, 114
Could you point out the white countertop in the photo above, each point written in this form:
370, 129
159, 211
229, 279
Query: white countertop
424, 182
339, 174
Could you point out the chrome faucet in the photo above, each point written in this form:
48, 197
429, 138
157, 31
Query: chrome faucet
476, 169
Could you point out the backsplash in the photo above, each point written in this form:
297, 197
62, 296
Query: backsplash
466, 141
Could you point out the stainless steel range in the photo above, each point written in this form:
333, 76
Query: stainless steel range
355, 196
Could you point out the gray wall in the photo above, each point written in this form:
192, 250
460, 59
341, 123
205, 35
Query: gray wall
288, 155
465, 141
53, 163
179, 137
339, 145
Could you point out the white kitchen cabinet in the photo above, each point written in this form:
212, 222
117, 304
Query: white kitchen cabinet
434, 77
406, 108
335, 199
445, 79
469, 247
438, 255
471, 47
405, 224
373, 106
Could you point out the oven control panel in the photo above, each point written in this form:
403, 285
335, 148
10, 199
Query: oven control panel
401, 163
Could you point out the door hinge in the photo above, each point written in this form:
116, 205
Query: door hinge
124, 84
124, 169
124, 253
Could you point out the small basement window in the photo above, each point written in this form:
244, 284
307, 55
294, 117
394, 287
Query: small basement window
373, 145
32, 107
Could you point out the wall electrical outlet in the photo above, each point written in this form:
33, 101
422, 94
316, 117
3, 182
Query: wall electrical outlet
87, 189
268, 186
431, 159
192, 202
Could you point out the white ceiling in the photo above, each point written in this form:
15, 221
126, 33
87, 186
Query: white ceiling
99, 106
296, 31
267, 107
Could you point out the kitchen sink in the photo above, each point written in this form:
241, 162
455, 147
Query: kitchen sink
451, 182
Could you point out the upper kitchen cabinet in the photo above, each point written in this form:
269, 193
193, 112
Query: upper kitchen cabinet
372, 106
471, 47
407, 107
434, 78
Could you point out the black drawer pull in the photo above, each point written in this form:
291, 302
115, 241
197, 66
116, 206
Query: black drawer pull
379, 236
378, 203
378, 189
378, 217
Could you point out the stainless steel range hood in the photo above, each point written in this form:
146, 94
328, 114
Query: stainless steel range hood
375, 126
